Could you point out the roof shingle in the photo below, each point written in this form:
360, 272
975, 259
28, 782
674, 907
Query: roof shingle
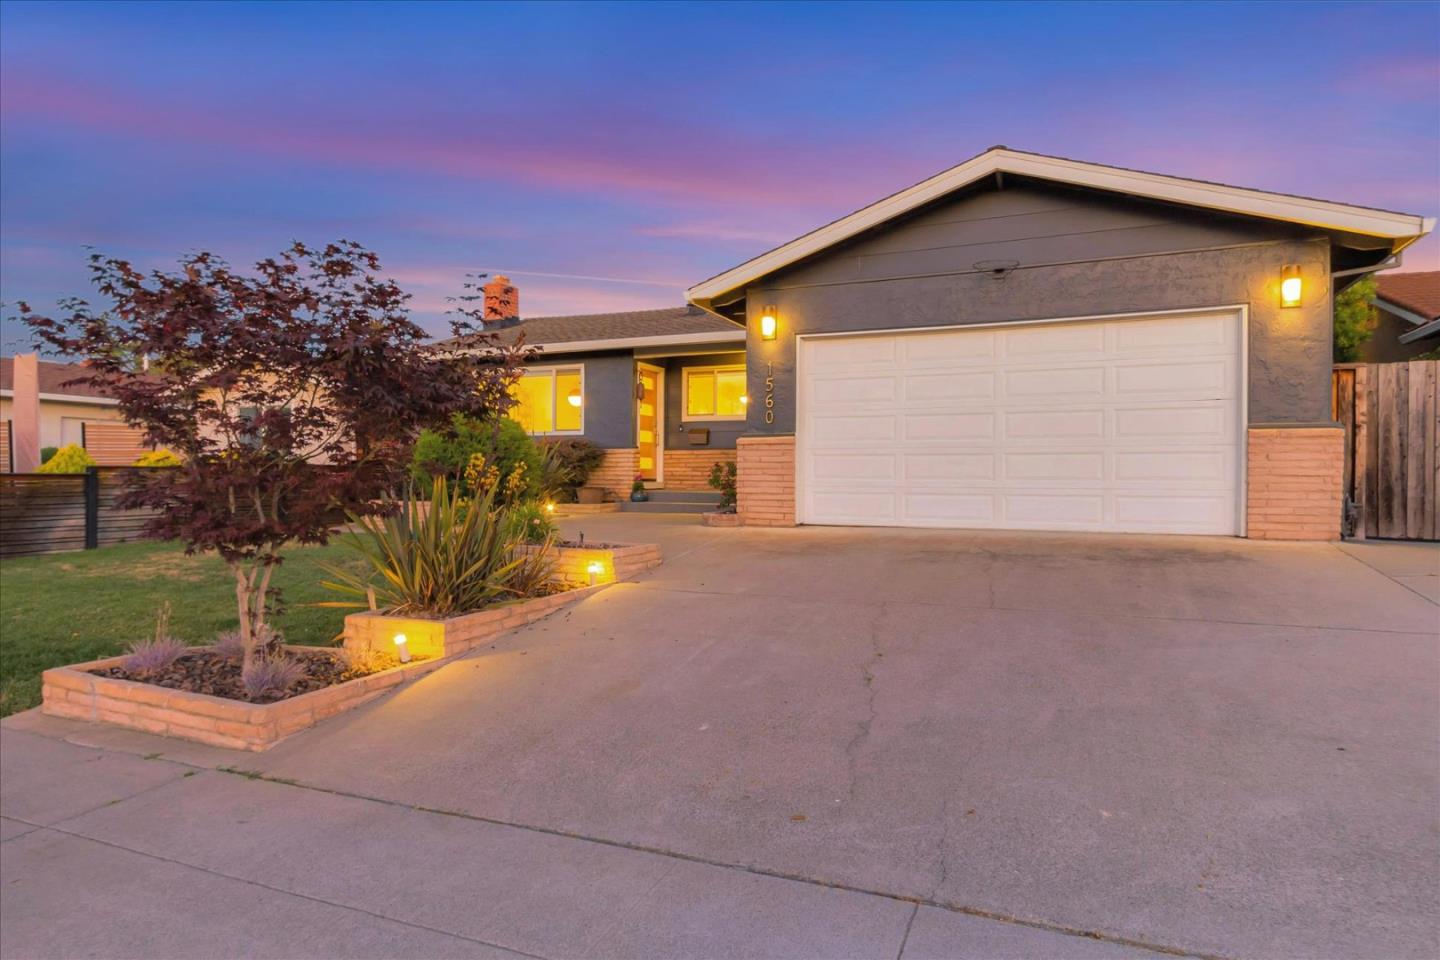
1417, 292
668, 321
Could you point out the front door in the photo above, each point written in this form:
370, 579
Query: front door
649, 422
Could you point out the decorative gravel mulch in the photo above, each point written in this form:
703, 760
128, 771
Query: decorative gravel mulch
218, 676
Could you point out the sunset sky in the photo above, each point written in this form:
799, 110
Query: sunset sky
607, 156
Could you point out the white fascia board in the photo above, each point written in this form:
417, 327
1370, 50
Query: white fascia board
67, 398
1403, 228
1421, 332
1409, 316
621, 343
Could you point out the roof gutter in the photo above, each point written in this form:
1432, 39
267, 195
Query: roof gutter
623, 343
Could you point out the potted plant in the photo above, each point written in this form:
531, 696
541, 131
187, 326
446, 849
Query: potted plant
637, 490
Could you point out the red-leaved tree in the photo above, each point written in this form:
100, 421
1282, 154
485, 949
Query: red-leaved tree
292, 394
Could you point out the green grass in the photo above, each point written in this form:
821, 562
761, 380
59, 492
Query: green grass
71, 607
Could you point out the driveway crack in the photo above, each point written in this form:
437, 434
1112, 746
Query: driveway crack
867, 674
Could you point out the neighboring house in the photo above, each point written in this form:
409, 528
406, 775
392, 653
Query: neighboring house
1407, 317
1033, 343
65, 412
662, 391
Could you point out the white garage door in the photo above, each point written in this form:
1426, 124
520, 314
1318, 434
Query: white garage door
1122, 425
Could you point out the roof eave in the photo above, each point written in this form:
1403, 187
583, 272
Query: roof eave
1400, 228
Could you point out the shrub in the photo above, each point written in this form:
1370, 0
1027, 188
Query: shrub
68, 459
566, 466
46, 453
271, 675
157, 458
454, 557
529, 522
722, 478
502, 442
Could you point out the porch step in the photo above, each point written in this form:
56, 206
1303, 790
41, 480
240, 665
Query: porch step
684, 496
673, 501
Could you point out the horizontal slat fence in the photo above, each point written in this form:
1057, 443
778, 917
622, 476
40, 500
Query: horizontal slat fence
1391, 415
113, 444
53, 513
7, 451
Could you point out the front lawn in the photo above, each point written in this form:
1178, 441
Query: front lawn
71, 607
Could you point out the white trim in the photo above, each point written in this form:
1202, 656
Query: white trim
7, 393
1240, 310
659, 480
685, 372
680, 339
1256, 203
555, 398
1421, 332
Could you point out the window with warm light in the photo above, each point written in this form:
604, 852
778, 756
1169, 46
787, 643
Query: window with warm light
550, 400
715, 393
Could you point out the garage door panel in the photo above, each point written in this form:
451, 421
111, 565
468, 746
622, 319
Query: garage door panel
839, 390
1054, 424
1075, 383
949, 509
942, 467
940, 387
1066, 509
1123, 425
948, 426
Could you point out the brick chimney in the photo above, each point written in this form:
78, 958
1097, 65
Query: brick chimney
502, 300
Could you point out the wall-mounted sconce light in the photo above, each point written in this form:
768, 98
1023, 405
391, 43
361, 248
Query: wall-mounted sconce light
1292, 287
768, 324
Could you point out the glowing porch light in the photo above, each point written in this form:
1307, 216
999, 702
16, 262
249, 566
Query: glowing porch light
768, 324
401, 649
1292, 287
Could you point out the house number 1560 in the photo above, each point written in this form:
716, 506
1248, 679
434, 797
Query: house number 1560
769, 393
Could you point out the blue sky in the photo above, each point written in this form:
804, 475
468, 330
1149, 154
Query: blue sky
606, 156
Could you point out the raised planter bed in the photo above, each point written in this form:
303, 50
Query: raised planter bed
717, 519
451, 635
78, 693
585, 509
616, 561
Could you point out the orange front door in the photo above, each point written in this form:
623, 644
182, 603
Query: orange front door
649, 422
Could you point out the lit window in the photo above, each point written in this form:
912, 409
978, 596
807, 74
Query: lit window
714, 393
550, 401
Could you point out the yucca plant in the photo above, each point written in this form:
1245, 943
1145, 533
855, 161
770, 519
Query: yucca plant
456, 557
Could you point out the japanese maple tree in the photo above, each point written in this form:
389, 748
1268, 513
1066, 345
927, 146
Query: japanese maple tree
291, 392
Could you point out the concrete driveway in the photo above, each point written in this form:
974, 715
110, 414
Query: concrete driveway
813, 742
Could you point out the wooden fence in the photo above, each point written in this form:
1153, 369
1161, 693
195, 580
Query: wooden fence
52, 513
1391, 415
113, 444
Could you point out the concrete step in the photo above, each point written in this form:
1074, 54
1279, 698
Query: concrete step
666, 506
684, 496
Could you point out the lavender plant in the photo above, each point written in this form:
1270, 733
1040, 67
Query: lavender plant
271, 675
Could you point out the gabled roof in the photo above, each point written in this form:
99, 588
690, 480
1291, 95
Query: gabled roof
1400, 228
634, 328
53, 377
1418, 293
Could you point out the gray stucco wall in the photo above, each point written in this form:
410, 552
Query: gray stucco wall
609, 394
722, 432
1075, 255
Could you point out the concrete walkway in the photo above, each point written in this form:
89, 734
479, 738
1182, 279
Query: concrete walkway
807, 743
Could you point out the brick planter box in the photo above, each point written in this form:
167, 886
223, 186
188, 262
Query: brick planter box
451, 635
77, 693
586, 509
716, 519
618, 561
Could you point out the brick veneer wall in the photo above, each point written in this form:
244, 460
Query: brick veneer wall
1294, 483
690, 469
616, 472
765, 482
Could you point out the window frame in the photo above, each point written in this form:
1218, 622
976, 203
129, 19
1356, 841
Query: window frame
553, 372
685, 372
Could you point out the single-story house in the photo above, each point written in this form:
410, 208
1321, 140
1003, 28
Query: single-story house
1020, 342
1407, 317
69, 413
